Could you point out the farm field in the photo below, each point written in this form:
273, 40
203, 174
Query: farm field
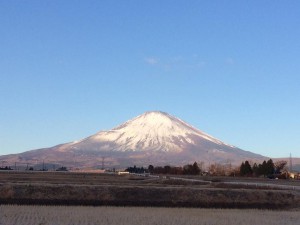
68, 188
100, 179
86, 215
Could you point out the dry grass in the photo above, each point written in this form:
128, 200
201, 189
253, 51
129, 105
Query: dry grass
48, 188
85, 215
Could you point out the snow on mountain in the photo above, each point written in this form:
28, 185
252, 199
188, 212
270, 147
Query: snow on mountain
151, 138
151, 131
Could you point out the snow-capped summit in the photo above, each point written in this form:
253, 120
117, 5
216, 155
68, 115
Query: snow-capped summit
152, 138
152, 131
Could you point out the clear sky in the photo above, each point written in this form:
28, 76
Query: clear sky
69, 69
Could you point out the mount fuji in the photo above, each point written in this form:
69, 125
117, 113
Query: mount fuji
152, 138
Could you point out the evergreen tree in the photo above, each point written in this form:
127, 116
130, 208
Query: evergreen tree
151, 168
270, 169
196, 169
245, 169
167, 169
262, 168
242, 169
255, 169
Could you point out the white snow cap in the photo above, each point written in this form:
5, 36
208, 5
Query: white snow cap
154, 130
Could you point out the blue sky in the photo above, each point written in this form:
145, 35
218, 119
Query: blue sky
71, 68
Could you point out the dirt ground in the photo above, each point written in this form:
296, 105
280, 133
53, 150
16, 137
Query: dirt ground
86, 215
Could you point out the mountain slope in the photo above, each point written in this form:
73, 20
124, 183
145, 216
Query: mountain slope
156, 131
151, 138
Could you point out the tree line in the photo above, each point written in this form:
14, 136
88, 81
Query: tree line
189, 169
266, 169
6, 168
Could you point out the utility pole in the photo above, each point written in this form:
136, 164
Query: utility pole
291, 163
103, 158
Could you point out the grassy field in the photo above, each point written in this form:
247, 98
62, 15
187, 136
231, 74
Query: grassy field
48, 188
85, 215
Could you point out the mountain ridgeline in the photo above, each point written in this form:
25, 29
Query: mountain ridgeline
151, 138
